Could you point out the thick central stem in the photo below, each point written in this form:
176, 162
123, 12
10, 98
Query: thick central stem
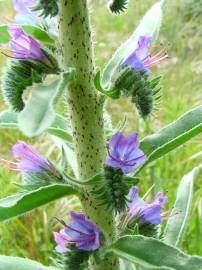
86, 111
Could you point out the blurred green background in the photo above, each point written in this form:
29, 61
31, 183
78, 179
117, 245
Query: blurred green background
31, 235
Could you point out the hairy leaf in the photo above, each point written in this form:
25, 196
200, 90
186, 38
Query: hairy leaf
9, 119
39, 114
126, 265
173, 135
19, 204
16, 263
177, 225
69, 155
154, 254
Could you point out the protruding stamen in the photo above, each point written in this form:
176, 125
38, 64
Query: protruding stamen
157, 61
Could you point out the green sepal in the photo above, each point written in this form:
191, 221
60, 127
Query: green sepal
47, 8
17, 77
21, 74
74, 260
112, 191
144, 93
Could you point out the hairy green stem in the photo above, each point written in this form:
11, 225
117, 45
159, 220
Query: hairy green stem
86, 111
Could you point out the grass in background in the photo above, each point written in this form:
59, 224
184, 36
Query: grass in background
31, 235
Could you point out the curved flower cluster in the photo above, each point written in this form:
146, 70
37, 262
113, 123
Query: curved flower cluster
131, 79
81, 232
124, 157
31, 63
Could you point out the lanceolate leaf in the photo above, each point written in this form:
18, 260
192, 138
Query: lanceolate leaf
19, 204
39, 114
60, 133
150, 25
173, 135
9, 119
176, 226
16, 263
154, 254
69, 155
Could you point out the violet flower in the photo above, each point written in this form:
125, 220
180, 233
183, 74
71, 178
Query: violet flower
24, 14
145, 213
24, 47
141, 59
124, 152
81, 232
30, 160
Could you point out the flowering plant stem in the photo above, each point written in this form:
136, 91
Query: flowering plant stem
86, 111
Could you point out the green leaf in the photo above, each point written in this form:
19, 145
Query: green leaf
19, 204
31, 30
61, 133
8, 119
4, 35
115, 93
59, 122
150, 25
177, 225
126, 265
69, 155
173, 135
16, 263
38, 33
39, 114
153, 254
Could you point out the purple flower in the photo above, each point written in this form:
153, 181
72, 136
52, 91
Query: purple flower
24, 47
124, 152
81, 232
62, 239
141, 59
146, 213
24, 14
30, 160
